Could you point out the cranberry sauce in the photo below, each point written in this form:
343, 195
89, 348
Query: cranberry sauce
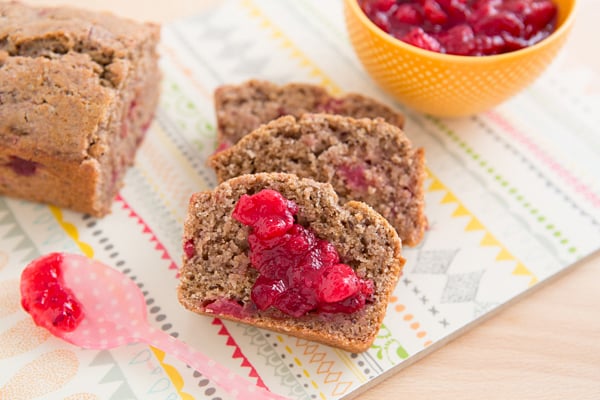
464, 27
44, 296
299, 272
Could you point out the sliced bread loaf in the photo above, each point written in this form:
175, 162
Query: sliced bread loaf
363, 159
242, 108
217, 276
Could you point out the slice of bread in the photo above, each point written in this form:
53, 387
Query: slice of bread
216, 277
242, 108
363, 159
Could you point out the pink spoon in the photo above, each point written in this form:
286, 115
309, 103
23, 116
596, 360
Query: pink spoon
94, 306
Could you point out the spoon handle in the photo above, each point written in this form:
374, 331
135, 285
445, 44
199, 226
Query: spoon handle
234, 384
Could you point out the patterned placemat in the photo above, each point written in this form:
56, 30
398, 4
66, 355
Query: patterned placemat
512, 196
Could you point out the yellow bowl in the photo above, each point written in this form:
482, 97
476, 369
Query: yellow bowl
450, 85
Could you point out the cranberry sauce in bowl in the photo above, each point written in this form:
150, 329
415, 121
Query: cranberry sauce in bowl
464, 27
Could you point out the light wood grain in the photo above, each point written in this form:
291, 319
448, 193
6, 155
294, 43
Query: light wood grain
545, 346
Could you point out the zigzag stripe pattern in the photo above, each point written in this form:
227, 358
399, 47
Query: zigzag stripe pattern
237, 353
324, 366
146, 229
280, 370
501, 180
137, 183
474, 224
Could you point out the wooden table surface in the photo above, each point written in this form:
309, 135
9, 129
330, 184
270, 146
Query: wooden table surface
544, 346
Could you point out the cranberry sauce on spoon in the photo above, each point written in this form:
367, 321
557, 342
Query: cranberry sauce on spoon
94, 306
44, 295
